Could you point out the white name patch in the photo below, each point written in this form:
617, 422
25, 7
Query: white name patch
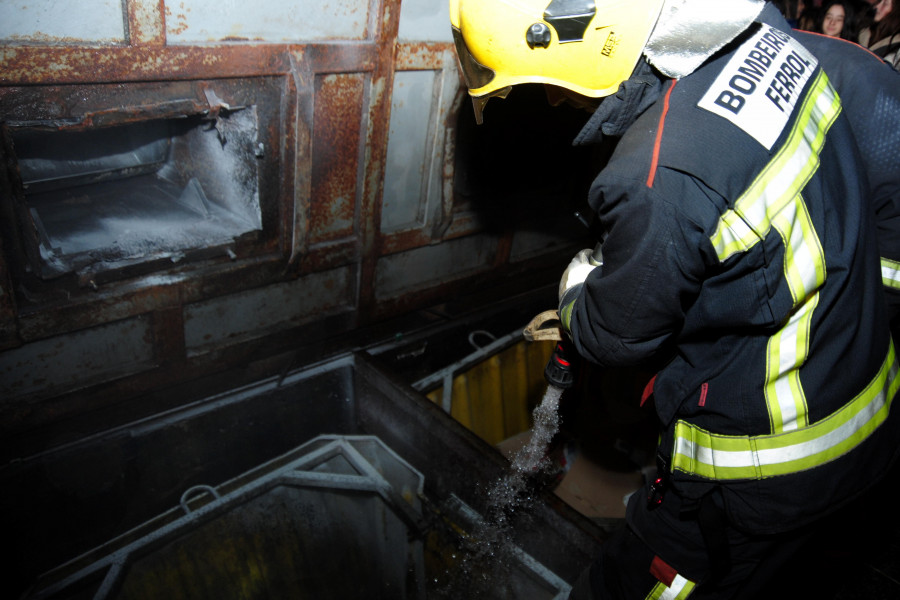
760, 85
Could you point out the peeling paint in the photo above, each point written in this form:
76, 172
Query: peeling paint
146, 23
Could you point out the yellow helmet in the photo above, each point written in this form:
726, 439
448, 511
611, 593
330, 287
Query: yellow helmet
586, 46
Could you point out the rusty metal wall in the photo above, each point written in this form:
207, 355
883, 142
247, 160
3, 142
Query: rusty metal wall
360, 102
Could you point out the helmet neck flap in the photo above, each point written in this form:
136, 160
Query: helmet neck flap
690, 31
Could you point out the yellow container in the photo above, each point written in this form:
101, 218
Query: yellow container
495, 398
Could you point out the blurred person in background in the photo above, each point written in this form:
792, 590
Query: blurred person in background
865, 12
808, 16
791, 10
838, 19
883, 37
799, 14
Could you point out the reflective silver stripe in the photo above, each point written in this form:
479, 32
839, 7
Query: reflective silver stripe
724, 457
890, 273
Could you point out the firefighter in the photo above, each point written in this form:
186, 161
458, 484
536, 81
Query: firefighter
739, 257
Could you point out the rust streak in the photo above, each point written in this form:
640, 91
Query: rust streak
146, 23
21, 65
424, 55
338, 111
342, 58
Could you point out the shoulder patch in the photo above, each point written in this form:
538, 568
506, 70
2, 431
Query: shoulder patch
760, 85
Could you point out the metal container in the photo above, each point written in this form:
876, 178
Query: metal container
240, 496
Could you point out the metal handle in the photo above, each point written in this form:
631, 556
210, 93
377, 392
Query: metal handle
197, 488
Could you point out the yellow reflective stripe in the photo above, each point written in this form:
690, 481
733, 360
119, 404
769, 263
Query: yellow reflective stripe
781, 180
804, 257
890, 273
724, 457
565, 316
773, 201
787, 350
680, 589
732, 235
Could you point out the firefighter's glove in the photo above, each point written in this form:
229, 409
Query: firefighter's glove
572, 279
576, 272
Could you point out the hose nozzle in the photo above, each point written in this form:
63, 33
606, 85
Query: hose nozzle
560, 371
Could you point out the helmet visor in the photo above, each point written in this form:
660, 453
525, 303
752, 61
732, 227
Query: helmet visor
476, 74
478, 102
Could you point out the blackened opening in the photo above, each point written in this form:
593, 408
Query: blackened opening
520, 165
104, 197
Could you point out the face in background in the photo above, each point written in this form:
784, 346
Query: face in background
882, 8
833, 22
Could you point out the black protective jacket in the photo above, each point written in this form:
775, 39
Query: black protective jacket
870, 95
740, 250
